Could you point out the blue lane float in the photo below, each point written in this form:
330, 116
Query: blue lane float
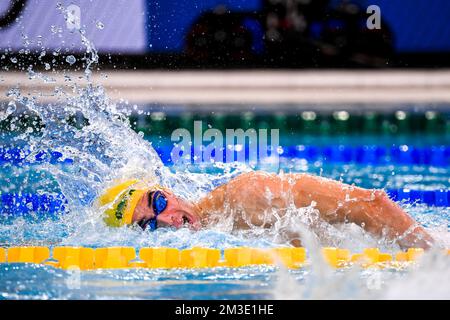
23, 204
438, 156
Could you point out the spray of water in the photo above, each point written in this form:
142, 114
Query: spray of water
85, 126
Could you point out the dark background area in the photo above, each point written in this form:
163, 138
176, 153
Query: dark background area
246, 34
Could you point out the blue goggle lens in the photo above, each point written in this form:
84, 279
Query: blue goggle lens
158, 202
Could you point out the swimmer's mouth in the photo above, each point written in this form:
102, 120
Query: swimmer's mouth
143, 223
191, 222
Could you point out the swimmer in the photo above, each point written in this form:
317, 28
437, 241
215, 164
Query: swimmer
249, 196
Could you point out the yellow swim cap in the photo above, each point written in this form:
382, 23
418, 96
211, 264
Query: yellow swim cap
122, 199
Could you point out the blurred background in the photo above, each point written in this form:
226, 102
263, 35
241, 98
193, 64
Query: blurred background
237, 33
311, 68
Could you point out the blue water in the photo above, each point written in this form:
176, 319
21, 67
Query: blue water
43, 282
19, 281
50, 283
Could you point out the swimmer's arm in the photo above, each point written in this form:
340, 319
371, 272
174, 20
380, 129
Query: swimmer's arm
370, 209
252, 193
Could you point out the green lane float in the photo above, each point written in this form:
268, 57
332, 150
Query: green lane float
302, 122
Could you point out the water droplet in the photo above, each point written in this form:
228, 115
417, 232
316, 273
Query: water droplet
47, 66
11, 107
6, 112
71, 59
55, 29
13, 60
100, 25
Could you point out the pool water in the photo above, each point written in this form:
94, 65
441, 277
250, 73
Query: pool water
24, 281
328, 155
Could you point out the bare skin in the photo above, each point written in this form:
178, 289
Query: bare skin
248, 196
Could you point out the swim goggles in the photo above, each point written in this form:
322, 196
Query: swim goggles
158, 202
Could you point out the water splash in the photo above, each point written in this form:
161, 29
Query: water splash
85, 126
429, 279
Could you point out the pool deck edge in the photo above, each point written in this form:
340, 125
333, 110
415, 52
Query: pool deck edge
383, 88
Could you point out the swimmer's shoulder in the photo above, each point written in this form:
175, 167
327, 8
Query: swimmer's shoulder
259, 179
257, 175
281, 177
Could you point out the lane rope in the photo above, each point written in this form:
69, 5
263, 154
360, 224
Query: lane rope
438, 156
83, 258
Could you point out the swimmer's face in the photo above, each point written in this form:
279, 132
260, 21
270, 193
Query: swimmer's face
178, 212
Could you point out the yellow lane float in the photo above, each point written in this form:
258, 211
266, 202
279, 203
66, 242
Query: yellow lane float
336, 257
126, 257
28, 254
2, 255
160, 257
411, 255
372, 257
66, 257
114, 257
